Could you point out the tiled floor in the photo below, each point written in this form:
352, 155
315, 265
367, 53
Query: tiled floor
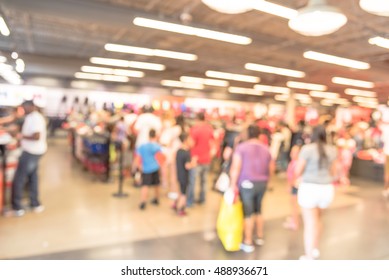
83, 221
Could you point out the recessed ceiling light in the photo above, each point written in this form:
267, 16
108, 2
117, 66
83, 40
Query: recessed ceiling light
100, 77
308, 86
326, 95
249, 91
150, 52
336, 60
358, 92
352, 82
274, 70
111, 71
171, 83
274, 9
209, 82
230, 76
127, 63
192, 31
273, 89
14, 55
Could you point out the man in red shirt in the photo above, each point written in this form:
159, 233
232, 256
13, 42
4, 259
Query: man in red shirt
203, 142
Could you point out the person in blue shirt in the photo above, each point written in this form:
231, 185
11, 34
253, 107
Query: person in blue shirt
149, 155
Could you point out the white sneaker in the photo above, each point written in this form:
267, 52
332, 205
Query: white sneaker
315, 253
18, 213
247, 248
38, 209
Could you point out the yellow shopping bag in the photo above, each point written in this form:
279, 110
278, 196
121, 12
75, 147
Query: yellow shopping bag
230, 225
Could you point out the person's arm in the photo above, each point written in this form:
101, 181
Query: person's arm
236, 167
7, 119
34, 137
191, 162
300, 166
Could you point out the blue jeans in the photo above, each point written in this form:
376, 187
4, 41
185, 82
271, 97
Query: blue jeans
202, 171
27, 171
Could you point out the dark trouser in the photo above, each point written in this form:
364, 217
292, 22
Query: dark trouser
202, 171
27, 171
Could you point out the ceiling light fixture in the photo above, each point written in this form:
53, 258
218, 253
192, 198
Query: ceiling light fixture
377, 7
352, 82
273, 89
208, 82
192, 31
150, 52
358, 92
229, 6
171, 83
302, 97
127, 63
326, 95
379, 41
249, 91
4, 30
308, 86
365, 100
309, 20
336, 60
274, 9
99, 77
110, 71
230, 76
281, 97
20, 66
14, 55
3, 59
274, 70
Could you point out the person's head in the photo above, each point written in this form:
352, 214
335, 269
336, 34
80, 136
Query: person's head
294, 152
152, 134
253, 131
185, 139
147, 109
180, 120
200, 116
28, 106
319, 134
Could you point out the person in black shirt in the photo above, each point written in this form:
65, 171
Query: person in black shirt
183, 163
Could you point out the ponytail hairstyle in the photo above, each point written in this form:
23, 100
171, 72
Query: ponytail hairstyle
319, 136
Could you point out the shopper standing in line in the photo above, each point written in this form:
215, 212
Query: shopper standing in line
149, 161
317, 168
385, 139
202, 135
34, 145
146, 122
183, 163
252, 166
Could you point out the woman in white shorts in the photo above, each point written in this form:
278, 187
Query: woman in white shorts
315, 167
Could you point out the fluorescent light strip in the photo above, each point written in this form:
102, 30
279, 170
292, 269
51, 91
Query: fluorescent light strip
209, 82
230, 76
4, 30
150, 52
3, 59
326, 95
193, 31
171, 83
365, 100
367, 105
336, 60
110, 71
274, 9
300, 85
379, 41
273, 89
358, 92
274, 70
281, 97
127, 63
352, 82
249, 91
99, 77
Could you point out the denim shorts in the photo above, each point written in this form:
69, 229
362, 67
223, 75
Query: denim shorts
251, 194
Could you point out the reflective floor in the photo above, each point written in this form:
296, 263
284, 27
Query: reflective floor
83, 220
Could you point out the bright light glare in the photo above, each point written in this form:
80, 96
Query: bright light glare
230, 76
274, 9
100, 77
308, 86
274, 70
358, 92
171, 83
127, 63
110, 71
209, 82
240, 90
336, 60
352, 82
273, 89
4, 30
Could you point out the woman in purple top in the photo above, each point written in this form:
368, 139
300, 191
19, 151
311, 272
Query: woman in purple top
251, 168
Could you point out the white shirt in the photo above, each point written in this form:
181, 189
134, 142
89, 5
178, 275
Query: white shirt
144, 124
34, 123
